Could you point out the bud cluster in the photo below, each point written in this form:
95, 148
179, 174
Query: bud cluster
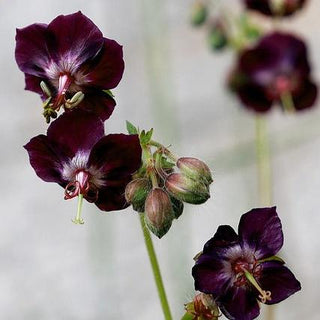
203, 307
223, 31
164, 182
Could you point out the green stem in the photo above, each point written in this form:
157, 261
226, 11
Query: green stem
155, 269
264, 175
287, 102
263, 161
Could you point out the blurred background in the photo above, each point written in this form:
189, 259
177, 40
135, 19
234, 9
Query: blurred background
52, 269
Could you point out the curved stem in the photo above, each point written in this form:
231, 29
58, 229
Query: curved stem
155, 269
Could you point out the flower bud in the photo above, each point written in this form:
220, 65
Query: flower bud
199, 13
217, 37
186, 189
136, 193
195, 169
158, 212
203, 307
177, 207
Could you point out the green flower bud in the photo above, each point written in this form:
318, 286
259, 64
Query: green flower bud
177, 207
199, 13
217, 37
136, 193
158, 212
186, 189
195, 169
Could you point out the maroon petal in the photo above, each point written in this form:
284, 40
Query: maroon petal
109, 65
76, 131
223, 238
260, 229
209, 275
112, 198
259, 5
77, 38
32, 49
306, 97
239, 303
254, 98
99, 103
117, 155
33, 84
279, 280
44, 159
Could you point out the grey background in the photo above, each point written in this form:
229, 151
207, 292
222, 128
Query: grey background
51, 269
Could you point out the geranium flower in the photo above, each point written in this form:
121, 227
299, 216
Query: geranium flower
76, 155
69, 63
241, 269
276, 70
277, 8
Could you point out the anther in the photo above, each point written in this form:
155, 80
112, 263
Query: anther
75, 100
45, 89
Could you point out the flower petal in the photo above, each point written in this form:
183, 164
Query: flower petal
112, 198
33, 84
117, 155
32, 49
279, 280
99, 103
45, 160
239, 303
306, 97
260, 229
77, 39
108, 69
75, 131
224, 237
210, 276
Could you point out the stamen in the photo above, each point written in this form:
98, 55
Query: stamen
264, 296
45, 89
78, 219
75, 100
71, 190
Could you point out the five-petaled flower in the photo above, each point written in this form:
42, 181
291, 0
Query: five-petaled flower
77, 155
69, 63
276, 70
278, 8
239, 270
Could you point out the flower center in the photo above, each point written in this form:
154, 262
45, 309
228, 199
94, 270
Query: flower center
247, 273
82, 188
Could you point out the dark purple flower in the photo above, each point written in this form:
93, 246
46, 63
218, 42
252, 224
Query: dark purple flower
276, 70
76, 154
276, 8
241, 269
69, 63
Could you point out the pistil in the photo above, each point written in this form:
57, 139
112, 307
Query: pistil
78, 219
264, 295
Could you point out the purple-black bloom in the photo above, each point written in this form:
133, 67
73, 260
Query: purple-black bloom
69, 63
282, 8
240, 270
77, 155
276, 70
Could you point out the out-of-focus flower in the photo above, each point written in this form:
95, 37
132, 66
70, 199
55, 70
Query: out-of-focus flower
203, 307
77, 155
239, 270
276, 70
278, 8
70, 64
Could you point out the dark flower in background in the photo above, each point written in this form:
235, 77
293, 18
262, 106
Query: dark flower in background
77, 155
239, 270
276, 70
69, 63
278, 8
